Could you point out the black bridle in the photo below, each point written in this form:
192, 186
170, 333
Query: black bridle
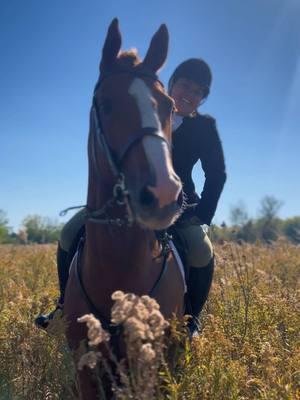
120, 192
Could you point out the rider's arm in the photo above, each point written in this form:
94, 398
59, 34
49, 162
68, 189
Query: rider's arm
212, 161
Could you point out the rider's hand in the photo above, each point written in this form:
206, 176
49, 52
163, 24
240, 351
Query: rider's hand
189, 216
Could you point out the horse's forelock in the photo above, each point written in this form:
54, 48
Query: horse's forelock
128, 59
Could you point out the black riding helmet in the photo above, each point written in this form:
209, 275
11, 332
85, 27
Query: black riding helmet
195, 69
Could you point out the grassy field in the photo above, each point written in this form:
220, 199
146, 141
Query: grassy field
249, 349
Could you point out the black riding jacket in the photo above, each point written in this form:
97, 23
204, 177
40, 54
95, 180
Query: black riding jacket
196, 139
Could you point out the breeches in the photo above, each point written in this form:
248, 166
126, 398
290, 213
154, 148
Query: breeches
199, 250
71, 229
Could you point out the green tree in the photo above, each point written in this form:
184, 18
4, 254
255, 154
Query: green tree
220, 233
268, 225
269, 207
41, 230
291, 229
238, 214
4, 228
247, 232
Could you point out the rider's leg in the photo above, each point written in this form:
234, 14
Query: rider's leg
42, 321
70, 235
63, 264
69, 238
62, 272
199, 284
200, 262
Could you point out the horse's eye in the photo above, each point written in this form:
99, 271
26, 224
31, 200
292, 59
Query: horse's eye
106, 106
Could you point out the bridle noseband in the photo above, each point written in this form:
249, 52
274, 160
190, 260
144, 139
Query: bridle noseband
120, 192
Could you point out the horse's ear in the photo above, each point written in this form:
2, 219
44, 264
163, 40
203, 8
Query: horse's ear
158, 50
111, 46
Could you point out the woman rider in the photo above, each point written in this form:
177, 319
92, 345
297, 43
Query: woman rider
195, 137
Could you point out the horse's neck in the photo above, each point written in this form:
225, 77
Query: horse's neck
116, 259
98, 192
116, 246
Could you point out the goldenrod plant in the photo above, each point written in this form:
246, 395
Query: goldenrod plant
249, 347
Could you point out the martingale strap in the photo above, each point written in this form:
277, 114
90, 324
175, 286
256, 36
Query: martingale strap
113, 329
105, 322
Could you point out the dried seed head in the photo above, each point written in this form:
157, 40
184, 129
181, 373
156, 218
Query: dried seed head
96, 334
147, 353
118, 295
140, 315
135, 329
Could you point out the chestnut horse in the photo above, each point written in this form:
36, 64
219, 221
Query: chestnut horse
133, 191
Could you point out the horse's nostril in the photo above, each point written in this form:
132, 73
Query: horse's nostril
147, 198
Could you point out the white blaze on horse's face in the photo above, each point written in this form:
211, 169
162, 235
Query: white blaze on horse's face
142, 94
167, 183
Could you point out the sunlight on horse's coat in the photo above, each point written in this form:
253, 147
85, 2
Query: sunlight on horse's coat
167, 184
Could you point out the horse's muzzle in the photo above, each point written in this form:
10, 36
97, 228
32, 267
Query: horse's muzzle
149, 214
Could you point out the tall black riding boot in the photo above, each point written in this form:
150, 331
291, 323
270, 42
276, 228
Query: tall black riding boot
198, 287
62, 257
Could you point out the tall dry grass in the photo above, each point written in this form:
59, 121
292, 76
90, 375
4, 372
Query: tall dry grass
249, 347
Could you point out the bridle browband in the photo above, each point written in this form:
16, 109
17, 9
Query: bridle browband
120, 192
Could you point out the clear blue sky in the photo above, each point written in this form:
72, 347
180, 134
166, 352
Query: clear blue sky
50, 52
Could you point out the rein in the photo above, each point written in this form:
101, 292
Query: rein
101, 215
120, 199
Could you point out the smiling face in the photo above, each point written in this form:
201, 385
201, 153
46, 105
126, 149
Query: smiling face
187, 95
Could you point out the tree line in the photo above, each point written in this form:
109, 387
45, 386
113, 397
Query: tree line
267, 227
35, 229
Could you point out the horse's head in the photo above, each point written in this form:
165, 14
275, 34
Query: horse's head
130, 134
